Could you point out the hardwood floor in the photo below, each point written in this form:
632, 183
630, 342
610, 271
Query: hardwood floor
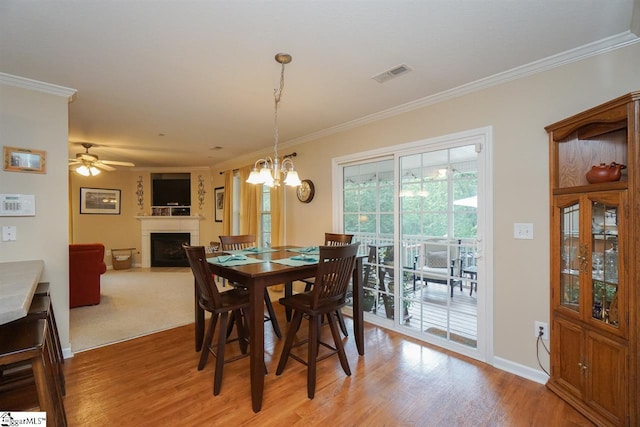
153, 380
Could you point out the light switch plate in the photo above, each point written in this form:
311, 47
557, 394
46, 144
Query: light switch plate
523, 231
8, 233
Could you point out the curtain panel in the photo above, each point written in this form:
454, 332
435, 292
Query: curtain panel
249, 203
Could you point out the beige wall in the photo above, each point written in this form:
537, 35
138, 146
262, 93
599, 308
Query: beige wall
36, 120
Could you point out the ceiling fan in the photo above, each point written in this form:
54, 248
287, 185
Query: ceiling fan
90, 164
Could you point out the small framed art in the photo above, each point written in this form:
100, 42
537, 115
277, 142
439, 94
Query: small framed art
218, 198
24, 160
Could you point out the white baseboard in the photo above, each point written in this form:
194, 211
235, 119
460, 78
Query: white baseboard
520, 370
67, 353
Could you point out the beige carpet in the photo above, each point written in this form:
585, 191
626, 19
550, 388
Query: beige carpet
133, 303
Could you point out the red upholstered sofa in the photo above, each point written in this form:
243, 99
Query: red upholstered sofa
86, 264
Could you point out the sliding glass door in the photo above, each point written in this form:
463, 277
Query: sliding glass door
415, 212
437, 238
368, 190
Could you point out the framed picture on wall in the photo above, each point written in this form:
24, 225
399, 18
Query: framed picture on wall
102, 201
218, 203
24, 160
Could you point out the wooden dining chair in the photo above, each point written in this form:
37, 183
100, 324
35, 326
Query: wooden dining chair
333, 239
239, 242
219, 304
335, 267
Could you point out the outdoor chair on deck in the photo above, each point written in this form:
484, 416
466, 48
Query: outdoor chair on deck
219, 304
440, 263
335, 267
244, 241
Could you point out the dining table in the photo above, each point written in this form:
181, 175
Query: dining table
258, 268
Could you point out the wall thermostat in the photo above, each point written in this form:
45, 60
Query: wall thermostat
17, 205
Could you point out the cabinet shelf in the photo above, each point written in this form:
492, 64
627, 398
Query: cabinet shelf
588, 188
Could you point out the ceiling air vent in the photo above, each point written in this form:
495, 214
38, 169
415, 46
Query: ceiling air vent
392, 73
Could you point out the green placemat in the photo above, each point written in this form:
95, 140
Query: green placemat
233, 260
296, 261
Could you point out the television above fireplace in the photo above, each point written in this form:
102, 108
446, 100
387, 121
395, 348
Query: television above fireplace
171, 189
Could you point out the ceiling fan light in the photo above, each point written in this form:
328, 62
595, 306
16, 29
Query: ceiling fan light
83, 170
87, 171
88, 161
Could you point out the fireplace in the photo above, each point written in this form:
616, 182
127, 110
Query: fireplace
166, 249
186, 225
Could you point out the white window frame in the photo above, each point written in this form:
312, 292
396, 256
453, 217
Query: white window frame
262, 241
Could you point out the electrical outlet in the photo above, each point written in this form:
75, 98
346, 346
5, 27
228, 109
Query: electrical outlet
545, 330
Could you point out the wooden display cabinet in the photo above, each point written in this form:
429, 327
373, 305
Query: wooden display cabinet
595, 279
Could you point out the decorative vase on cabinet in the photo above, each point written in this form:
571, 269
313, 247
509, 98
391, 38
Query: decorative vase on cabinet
595, 247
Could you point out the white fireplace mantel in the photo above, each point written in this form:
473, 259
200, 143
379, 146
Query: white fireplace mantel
166, 224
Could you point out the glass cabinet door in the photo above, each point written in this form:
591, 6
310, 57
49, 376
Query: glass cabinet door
604, 262
571, 256
589, 258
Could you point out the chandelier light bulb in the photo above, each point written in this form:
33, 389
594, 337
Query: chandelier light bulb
265, 176
254, 177
292, 179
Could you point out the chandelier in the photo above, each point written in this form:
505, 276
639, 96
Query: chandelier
267, 171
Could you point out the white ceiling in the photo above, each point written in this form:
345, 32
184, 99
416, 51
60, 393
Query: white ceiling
202, 73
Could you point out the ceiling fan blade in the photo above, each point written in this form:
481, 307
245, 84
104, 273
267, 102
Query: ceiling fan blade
74, 162
116, 163
86, 157
101, 165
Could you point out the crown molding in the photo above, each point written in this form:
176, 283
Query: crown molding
596, 48
23, 82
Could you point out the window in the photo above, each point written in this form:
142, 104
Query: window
235, 204
265, 217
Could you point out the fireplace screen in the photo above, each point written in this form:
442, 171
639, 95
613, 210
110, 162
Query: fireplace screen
166, 249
